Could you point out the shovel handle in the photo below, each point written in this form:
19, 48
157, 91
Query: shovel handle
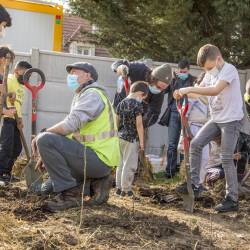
182, 108
34, 88
26, 149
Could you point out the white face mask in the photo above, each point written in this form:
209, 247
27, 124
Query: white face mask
214, 71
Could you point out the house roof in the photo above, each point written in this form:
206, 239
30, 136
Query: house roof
73, 27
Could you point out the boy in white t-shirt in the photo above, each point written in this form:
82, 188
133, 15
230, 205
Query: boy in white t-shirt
222, 86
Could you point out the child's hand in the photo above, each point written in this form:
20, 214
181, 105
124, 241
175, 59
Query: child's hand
9, 112
142, 147
177, 95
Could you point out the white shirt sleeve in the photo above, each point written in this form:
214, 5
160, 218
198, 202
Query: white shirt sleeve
228, 73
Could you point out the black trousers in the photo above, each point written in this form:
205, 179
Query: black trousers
10, 145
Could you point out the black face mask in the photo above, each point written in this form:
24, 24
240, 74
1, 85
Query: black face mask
20, 79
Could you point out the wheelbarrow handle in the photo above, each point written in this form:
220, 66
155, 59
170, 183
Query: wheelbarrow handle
184, 107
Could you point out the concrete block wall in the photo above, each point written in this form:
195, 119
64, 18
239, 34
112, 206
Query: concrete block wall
55, 98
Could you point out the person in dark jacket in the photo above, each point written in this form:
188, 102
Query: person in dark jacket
171, 118
130, 72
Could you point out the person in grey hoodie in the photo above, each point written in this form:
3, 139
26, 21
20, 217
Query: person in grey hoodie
74, 150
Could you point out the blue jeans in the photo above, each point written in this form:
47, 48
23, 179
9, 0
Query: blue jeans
174, 131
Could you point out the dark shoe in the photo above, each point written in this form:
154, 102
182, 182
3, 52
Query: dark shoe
123, 194
182, 189
2, 181
101, 188
5, 179
66, 199
227, 205
118, 191
130, 194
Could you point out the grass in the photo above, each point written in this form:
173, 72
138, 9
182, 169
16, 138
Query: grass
161, 179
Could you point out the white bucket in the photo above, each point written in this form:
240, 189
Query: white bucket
156, 161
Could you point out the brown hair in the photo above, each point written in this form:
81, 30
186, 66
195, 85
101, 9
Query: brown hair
4, 51
5, 16
207, 52
139, 86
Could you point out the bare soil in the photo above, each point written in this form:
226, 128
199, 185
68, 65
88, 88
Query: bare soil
122, 223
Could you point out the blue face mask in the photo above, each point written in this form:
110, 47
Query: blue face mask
154, 90
72, 82
183, 76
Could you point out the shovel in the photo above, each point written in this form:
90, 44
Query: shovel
188, 199
33, 176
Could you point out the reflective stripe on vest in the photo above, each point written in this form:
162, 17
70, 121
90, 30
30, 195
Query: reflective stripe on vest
91, 138
104, 135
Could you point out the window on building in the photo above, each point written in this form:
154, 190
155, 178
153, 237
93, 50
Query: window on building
82, 49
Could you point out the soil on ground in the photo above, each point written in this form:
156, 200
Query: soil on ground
155, 221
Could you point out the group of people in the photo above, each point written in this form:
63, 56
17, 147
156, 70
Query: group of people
98, 136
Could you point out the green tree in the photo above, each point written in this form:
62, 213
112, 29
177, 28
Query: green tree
167, 30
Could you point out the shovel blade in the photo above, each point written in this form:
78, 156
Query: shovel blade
33, 178
188, 203
188, 199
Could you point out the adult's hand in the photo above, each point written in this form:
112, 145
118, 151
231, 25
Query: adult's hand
39, 165
34, 147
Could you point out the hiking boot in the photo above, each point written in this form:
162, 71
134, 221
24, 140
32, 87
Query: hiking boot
227, 205
182, 189
66, 199
101, 188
